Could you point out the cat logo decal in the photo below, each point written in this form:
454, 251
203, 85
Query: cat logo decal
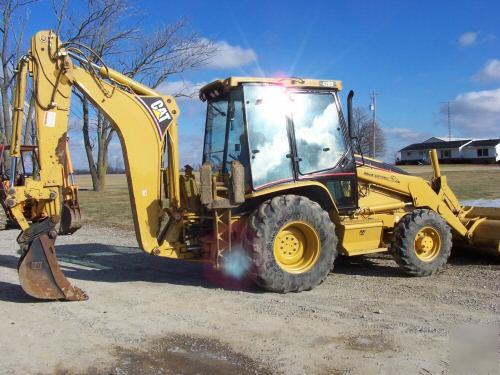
159, 112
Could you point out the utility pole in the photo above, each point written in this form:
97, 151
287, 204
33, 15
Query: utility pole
373, 108
449, 121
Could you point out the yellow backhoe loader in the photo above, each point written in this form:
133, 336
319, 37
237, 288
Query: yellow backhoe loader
280, 183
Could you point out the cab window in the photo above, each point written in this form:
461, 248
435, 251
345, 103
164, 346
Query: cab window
319, 139
266, 113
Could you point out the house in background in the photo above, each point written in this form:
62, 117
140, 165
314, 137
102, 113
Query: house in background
455, 150
483, 150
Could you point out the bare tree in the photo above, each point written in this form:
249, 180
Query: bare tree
149, 58
12, 25
101, 28
363, 126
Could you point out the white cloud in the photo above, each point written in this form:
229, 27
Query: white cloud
468, 39
406, 134
186, 96
490, 72
229, 56
476, 113
397, 138
181, 89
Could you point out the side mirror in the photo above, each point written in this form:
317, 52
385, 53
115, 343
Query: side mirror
350, 119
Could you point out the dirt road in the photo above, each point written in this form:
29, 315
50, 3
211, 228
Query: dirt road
149, 315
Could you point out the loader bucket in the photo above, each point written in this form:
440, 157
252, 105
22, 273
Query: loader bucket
71, 218
40, 275
486, 236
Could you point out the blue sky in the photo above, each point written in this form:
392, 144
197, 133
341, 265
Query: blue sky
416, 55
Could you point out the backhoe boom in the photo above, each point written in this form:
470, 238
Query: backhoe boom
146, 124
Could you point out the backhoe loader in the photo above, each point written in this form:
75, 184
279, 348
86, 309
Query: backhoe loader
280, 182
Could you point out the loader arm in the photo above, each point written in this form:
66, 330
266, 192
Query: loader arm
436, 194
146, 124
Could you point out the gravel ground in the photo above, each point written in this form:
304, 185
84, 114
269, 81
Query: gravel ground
151, 316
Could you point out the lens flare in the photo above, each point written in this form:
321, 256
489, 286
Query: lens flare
236, 263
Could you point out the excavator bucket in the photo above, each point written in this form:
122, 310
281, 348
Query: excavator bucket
40, 275
71, 218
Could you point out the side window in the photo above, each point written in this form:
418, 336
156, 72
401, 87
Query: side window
237, 145
342, 192
318, 135
213, 150
266, 108
236, 136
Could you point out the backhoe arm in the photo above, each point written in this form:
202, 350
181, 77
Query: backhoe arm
146, 124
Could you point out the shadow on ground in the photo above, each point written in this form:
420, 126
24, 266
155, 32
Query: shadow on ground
13, 293
383, 264
106, 263
370, 266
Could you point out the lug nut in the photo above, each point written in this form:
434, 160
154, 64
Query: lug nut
10, 202
11, 191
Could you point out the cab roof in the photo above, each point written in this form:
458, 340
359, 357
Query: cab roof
222, 86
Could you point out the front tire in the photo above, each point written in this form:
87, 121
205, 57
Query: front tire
421, 243
292, 244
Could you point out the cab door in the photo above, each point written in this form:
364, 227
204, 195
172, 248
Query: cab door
267, 118
321, 147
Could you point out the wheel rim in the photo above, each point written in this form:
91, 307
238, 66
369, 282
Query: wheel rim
427, 244
296, 247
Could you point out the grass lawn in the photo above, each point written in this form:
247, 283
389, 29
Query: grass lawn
467, 181
112, 207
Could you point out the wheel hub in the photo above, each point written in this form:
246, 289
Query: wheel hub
296, 247
427, 244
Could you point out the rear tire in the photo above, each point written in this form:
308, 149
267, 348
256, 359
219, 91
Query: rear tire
292, 244
422, 242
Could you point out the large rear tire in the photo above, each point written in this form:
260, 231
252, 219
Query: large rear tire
421, 243
292, 244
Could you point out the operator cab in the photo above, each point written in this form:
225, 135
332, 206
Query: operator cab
281, 131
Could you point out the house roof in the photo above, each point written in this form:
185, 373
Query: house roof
436, 145
484, 142
443, 139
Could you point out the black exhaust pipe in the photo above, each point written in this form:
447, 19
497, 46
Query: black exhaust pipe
350, 119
